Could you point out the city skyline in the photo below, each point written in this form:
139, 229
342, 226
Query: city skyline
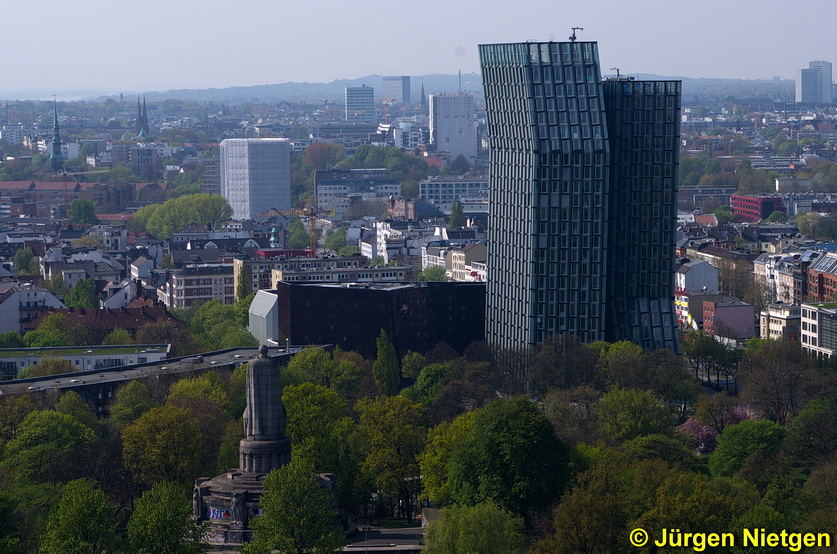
164, 46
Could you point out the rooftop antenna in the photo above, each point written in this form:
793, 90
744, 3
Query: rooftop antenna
572, 36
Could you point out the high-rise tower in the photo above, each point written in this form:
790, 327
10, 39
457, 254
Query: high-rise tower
397, 88
256, 175
452, 125
582, 198
360, 104
814, 85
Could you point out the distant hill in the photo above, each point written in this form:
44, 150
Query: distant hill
695, 91
317, 92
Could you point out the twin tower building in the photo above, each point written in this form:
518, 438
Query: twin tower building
583, 196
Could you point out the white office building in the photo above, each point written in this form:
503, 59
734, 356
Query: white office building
360, 104
256, 175
814, 85
452, 125
442, 190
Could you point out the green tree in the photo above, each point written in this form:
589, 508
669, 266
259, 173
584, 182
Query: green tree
297, 235
23, 262
162, 523
13, 410
141, 217
56, 330
385, 368
72, 404
48, 365
82, 522
178, 213
777, 217
51, 447
118, 336
434, 460
242, 284
314, 363
82, 211
186, 182
812, 435
511, 457
132, 400
434, 273
164, 444
336, 240
391, 439
685, 500
298, 514
411, 364
313, 413
208, 385
481, 529
457, 216
738, 442
626, 414
622, 364
724, 215
705, 353
82, 295
428, 383
10, 340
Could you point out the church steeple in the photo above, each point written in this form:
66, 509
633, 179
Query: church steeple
56, 160
142, 118
423, 100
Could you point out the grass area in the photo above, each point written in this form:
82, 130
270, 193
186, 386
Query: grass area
78, 350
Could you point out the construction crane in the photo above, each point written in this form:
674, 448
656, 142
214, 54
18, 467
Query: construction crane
387, 102
311, 213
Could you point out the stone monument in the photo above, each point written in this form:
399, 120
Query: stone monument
228, 502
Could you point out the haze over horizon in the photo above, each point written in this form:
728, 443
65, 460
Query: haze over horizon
161, 46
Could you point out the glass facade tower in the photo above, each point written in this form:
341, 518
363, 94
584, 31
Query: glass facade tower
582, 198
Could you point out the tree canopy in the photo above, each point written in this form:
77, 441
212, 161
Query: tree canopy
163, 220
297, 514
511, 457
82, 211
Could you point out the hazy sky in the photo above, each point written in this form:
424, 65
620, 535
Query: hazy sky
156, 45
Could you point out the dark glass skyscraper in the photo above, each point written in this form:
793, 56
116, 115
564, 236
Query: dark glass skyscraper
583, 198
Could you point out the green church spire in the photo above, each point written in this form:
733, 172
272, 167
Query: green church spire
56, 160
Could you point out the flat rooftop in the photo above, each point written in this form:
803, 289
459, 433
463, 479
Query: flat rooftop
64, 351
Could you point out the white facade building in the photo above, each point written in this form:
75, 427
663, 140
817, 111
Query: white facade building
452, 125
442, 190
814, 85
256, 175
360, 104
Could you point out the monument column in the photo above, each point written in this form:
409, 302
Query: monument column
265, 446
